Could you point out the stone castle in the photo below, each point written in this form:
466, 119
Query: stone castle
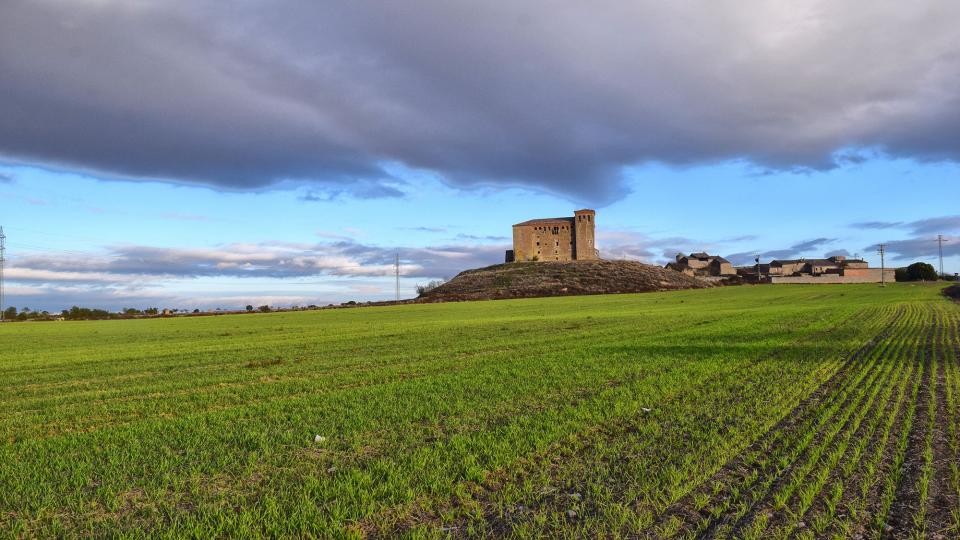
555, 239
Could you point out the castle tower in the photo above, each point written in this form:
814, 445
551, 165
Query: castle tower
585, 248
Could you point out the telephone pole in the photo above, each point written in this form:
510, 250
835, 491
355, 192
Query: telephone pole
882, 249
940, 247
3, 249
396, 270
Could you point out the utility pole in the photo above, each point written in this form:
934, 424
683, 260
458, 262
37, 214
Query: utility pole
396, 270
940, 247
882, 250
3, 249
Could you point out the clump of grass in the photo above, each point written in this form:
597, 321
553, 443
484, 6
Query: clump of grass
264, 363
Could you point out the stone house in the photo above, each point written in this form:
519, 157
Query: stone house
836, 269
814, 267
555, 239
702, 264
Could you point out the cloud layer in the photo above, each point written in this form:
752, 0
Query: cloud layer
275, 260
147, 275
557, 96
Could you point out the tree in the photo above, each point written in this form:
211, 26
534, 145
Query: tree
249, 307
921, 271
264, 309
423, 289
10, 313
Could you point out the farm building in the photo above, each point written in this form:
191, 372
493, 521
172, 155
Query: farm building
555, 239
836, 269
702, 264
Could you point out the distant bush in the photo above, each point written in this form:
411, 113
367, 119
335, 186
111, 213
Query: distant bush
264, 309
918, 271
423, 289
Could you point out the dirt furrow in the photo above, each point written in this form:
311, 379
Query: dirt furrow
768, 512
943, 497
744, 471
827, 500
899, 522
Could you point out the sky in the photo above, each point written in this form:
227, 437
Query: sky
180, 154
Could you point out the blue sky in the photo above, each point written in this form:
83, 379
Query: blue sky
180, 154
726, 208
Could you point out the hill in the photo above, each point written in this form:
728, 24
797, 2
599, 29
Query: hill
535, 279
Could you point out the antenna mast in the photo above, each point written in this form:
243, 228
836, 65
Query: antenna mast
3, 249
940, 247
396, 270
882, 250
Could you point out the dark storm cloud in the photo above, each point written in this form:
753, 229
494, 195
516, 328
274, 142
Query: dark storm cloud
556, 96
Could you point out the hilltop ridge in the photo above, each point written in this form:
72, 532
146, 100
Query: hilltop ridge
559, 278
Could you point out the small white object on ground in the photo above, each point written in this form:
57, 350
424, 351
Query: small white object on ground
319, 439
646, 409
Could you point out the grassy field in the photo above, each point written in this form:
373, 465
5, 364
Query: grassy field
811, 411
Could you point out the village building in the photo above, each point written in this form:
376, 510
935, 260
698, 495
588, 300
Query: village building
836, 269
555, 239
702, 264
814, 267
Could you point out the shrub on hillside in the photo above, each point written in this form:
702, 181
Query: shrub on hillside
423, 289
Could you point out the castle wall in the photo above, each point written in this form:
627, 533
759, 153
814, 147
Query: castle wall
547, 242
585, 248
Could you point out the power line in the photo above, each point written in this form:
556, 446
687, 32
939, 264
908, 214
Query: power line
940, 247
882, 250
3, 249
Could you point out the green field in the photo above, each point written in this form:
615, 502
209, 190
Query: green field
811, 411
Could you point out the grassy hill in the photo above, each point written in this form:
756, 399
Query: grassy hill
554, 278
737, 411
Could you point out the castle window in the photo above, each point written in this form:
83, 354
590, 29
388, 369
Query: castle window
556, 230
